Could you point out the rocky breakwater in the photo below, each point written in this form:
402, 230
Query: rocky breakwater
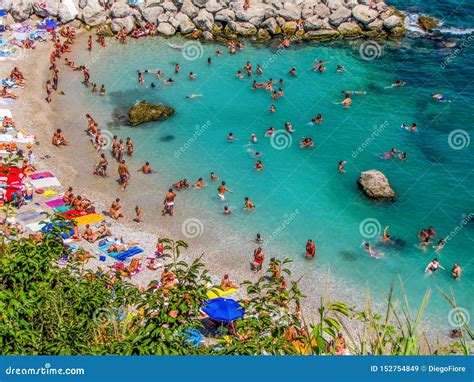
226, 19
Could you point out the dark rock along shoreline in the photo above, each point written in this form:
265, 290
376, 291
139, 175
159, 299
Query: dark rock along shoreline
224, 20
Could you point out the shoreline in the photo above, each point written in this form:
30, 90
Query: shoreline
148, 232
216, 20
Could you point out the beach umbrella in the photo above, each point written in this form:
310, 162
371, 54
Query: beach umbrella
223, 309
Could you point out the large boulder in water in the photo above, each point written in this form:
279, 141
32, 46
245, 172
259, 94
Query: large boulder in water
143, 112
375, 185
427, 23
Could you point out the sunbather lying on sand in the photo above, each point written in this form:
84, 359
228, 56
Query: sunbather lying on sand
92, 236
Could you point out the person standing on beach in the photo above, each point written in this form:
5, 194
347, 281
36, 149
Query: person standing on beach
124, 174
130, 147
89, 43
49, 90
87, 76
169, 202
120, 150
258, 258
101, 168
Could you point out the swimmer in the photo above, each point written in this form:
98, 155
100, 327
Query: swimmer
227, 210
258, 239
351, 92
219, 52
152, 86
439, 97
258, 165
340, 69
292, 72
230, 137
146, 169
439, 247
209, 62
239, 74
370, 251
456, 271
341, 165
141, 80
347, 101
319, 66
306, 143
257, 154
403, 156
177, 68
433, 266
102, 90
272, 109
269, 131
192, 96
169, 81
253, 138
289, 128
396, 84
386, 236
310, 249
213, 176
221, 190
192, 75
199, 184
248, 204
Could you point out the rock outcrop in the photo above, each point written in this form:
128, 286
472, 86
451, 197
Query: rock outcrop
143, 112
375, 185
226, 19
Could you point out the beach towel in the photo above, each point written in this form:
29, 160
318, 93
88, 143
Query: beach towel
19, 36
218, 292
5, 113
45, 182
121, 256
55, 203
35, 227
103, 248
41, 175
28, 215
7, 101
18, 139
62, 208
74, 214
89, 219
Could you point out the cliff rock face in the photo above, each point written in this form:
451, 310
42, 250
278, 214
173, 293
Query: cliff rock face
146, 112
227, 19
375, 185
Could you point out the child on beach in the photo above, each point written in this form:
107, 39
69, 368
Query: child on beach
138, 215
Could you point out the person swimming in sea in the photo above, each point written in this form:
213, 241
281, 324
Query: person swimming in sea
230, 137
258, 165
352, 92
258, 239
439, 97
341, 165
192, 96
248, 204
346, 102
433, 266
306, 143
146, 169
269, 131
227, 210
340, 69
310, 249
397, 84
439, 247
456, 271
169, 81
213, 176
289, 127
386, 236
253, 138
371, 251
292, 71
272, 109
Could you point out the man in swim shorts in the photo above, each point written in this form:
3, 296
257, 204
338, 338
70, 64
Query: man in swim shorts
221, 190
169, 202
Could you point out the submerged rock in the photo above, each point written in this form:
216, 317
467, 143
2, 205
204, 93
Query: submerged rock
427, 23
375, 185
143, 112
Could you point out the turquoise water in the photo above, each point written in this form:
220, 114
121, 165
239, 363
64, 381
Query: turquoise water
300, 194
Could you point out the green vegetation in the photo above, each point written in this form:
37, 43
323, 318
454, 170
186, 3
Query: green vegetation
46, 308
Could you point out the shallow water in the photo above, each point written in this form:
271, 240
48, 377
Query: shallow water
300, 194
